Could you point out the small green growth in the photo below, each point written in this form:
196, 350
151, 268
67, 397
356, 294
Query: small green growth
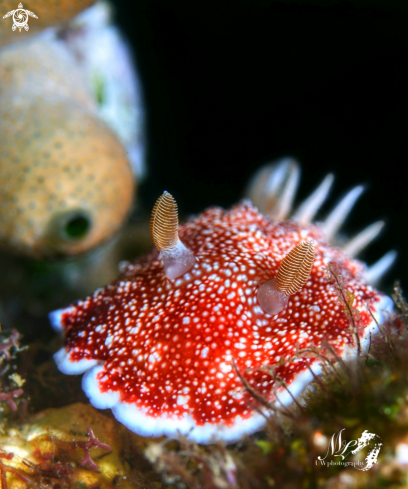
99, 89
265, 446
373, 362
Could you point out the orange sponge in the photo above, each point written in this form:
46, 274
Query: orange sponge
65, 181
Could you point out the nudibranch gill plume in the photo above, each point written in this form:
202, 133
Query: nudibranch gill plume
158, 346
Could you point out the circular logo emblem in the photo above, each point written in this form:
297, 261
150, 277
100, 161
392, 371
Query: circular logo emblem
20, 19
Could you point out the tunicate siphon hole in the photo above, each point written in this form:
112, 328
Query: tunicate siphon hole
77, 227
72, 225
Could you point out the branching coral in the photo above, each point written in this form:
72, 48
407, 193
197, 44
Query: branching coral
93, 442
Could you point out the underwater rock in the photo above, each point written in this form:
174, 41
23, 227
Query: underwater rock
49, 14
66, 184
175, 344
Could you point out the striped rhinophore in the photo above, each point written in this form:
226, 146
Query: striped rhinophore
164, 223
295, 268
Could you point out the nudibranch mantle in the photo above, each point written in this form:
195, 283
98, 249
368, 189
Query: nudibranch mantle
160, 353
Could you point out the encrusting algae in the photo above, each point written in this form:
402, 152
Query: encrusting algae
69, 446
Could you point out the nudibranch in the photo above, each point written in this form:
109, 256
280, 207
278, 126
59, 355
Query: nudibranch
161, 346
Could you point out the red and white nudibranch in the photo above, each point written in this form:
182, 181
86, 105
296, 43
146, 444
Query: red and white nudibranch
159, 350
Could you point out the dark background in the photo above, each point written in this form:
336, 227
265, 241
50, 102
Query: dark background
231, 85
